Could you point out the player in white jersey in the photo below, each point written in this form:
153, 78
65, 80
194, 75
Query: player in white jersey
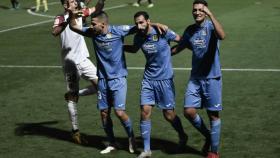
75, 62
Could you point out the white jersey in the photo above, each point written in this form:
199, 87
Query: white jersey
73, 45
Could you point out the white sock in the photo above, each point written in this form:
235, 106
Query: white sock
87, 91
73, 114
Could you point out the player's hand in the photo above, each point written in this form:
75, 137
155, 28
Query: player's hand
75, 12
207, 11
161, 27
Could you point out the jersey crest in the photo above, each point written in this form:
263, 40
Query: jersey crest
204, 32
109, 35
155, 37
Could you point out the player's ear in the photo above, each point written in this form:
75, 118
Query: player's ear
149, 21
65, 5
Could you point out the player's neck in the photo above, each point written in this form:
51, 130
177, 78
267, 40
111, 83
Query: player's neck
200, 23
149, 30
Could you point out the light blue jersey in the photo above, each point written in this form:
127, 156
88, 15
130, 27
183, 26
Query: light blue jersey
157, 52
109, 51
205, 46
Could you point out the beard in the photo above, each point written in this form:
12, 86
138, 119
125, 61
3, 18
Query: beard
144, 31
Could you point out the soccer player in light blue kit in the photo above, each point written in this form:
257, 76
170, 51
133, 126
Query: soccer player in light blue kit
205, 84
111, 70
157, 85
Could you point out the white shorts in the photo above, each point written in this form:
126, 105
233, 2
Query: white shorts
73, 72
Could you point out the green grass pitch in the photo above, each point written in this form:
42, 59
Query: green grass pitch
33, 115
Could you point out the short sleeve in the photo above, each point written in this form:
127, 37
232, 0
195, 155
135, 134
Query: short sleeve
58, 20
122, 30
170, 35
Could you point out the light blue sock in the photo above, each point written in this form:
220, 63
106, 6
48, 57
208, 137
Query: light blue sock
108, 128
145, 128
215, 135
128, 128
200, 126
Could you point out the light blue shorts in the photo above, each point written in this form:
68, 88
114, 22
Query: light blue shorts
204, 93
160, 92
112, 93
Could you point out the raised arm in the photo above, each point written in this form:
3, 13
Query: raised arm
76, 27
59, 25
218, 27
97, 8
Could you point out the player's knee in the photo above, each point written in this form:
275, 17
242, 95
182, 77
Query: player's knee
190, 113
71, 96
169, 115
104, 113
145, 114
120, 113
213, 115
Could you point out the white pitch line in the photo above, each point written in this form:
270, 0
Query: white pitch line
28, 66
257, 70
140, 68
49, 16
28, 25
116, 7
38, 14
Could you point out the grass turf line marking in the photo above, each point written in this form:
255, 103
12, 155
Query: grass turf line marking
28, 25
49, 16
141, 68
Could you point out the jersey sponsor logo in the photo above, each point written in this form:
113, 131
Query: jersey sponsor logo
106, 46
199, 43
150, 48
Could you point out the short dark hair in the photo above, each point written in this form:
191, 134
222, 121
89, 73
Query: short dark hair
200, 2
100, 15
62, 1
143, 13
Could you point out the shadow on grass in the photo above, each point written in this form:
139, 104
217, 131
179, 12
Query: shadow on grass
95, 141
4, 7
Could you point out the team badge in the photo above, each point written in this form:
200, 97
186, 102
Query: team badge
203, 33
155, 38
